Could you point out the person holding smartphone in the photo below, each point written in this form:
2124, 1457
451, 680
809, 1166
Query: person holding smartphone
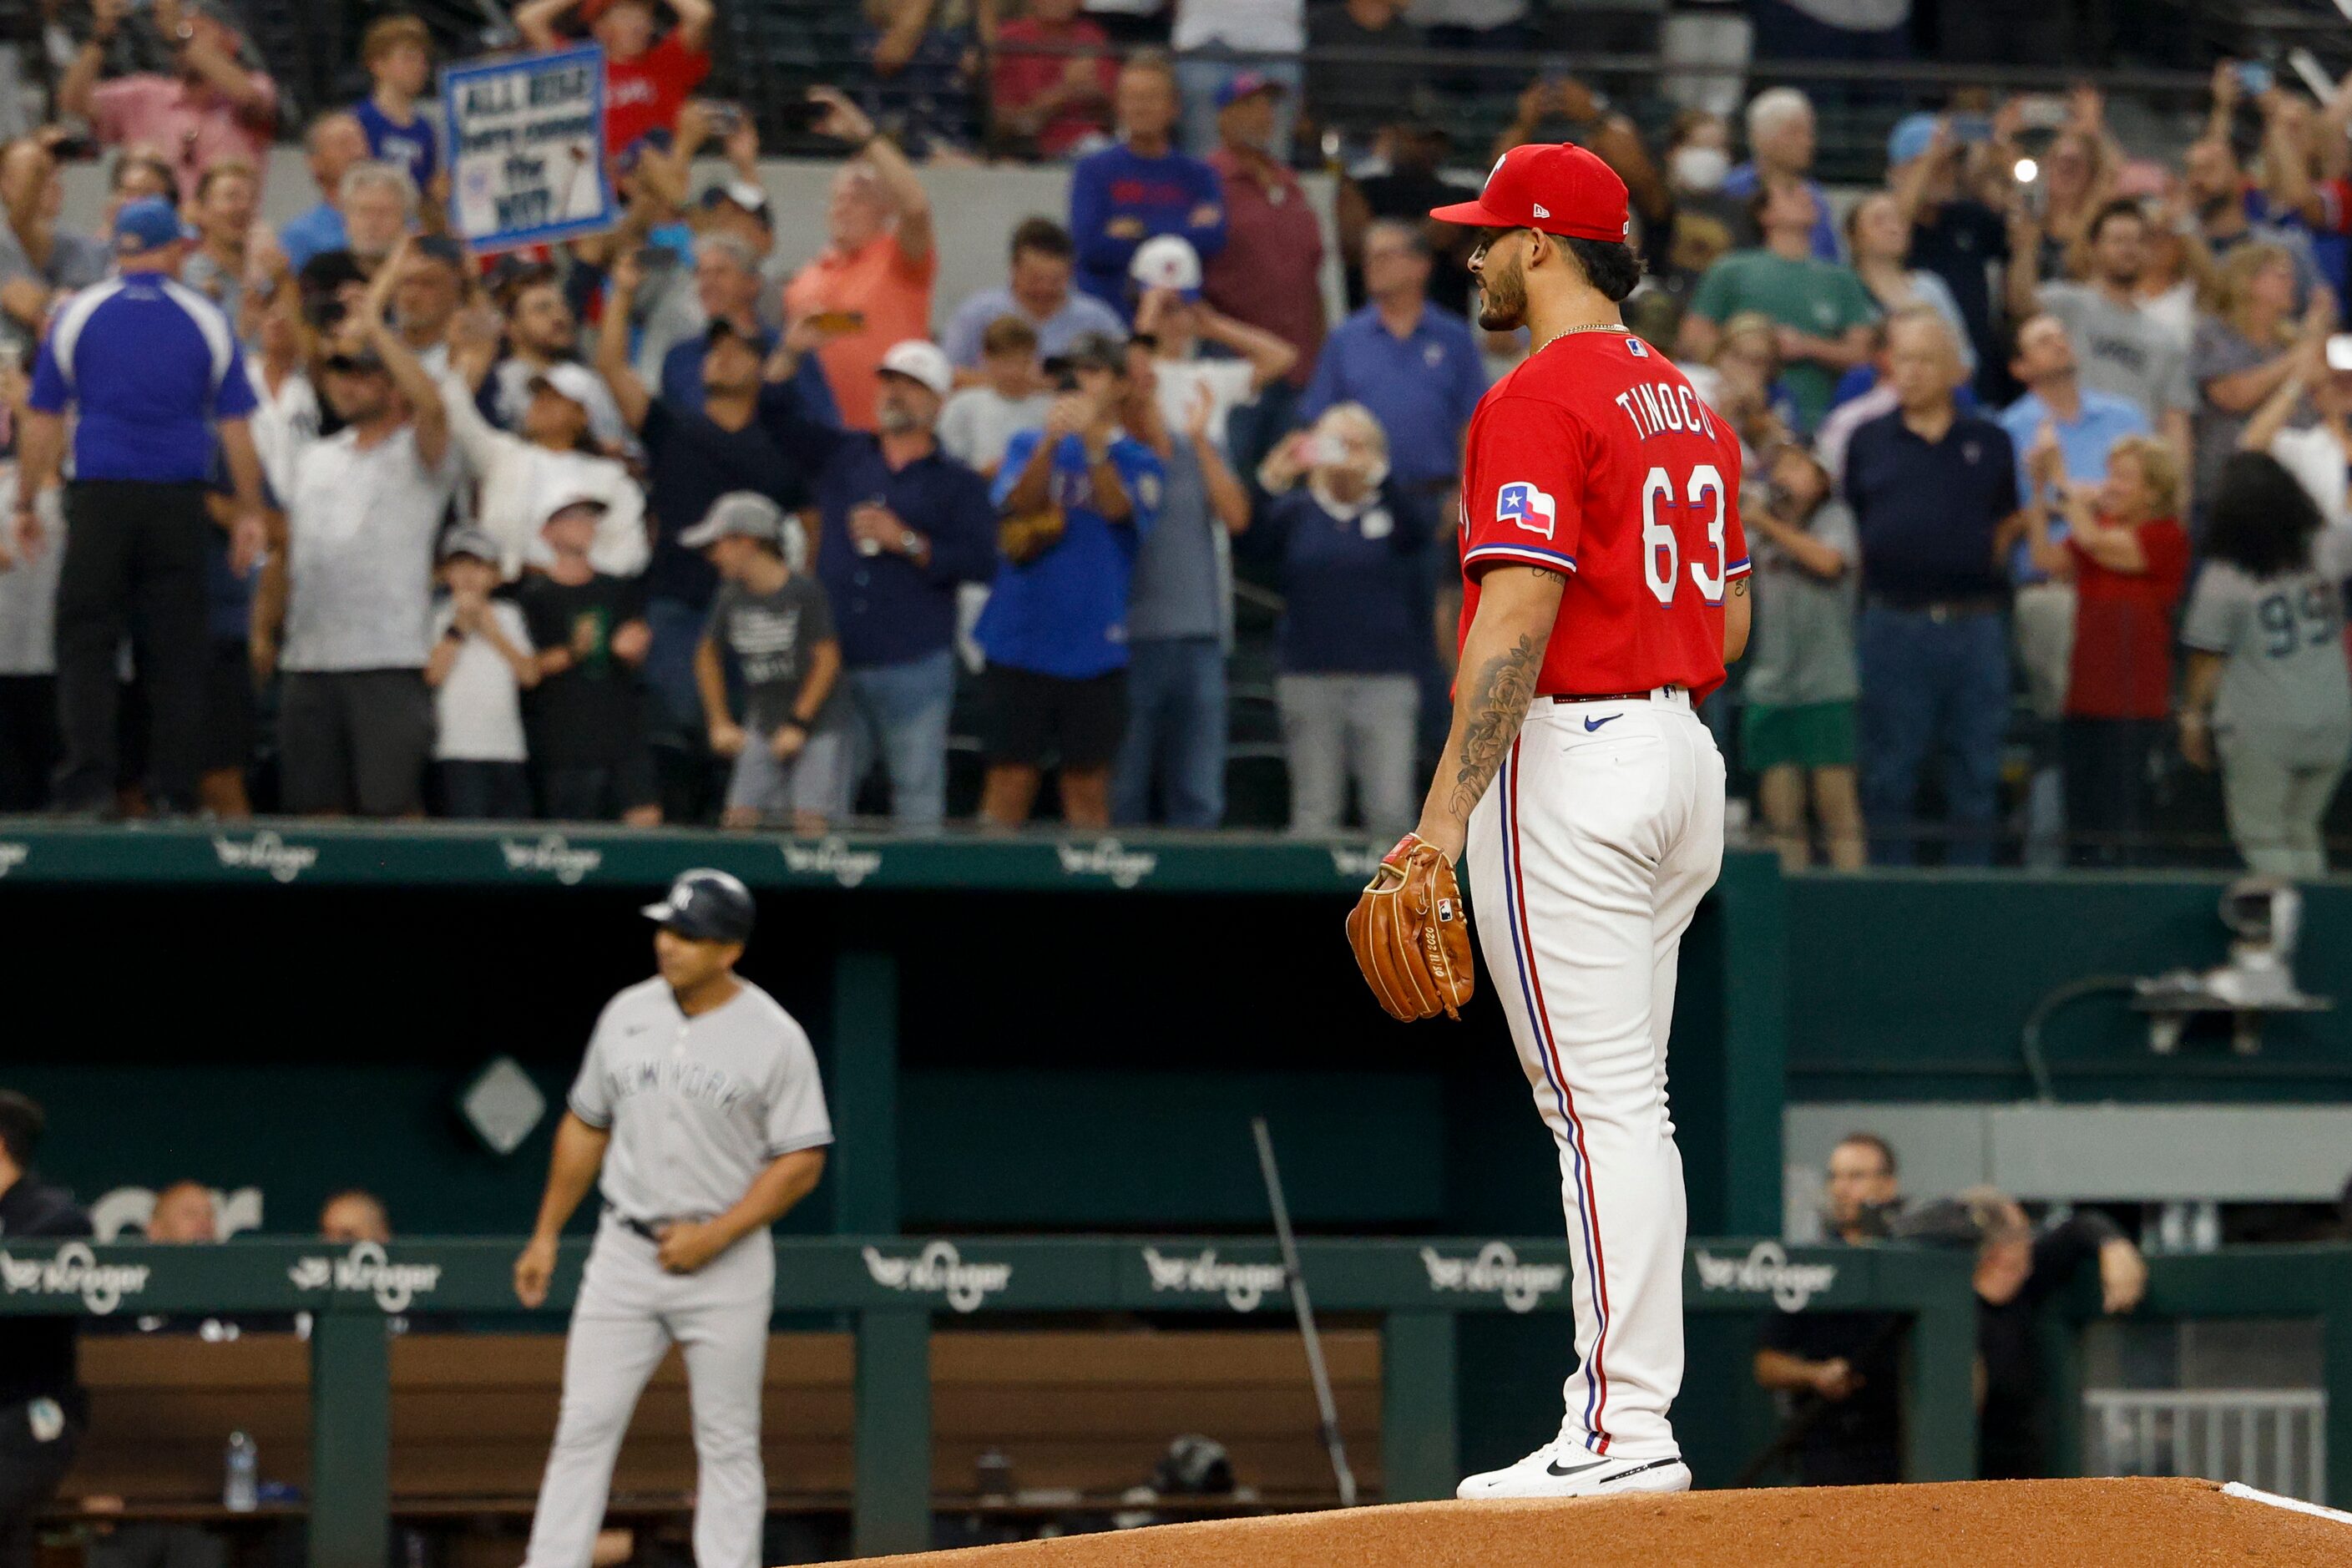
1352, 547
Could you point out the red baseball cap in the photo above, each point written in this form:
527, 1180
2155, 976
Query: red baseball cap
1559, 188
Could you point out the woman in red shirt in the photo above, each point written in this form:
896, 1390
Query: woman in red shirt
2127, 556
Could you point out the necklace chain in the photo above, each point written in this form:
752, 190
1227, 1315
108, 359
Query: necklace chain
1569, 332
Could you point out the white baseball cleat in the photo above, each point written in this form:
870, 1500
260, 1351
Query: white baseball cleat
1568, 1470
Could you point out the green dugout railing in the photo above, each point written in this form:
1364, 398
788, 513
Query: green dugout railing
892, 1288
291, 852
863, 1074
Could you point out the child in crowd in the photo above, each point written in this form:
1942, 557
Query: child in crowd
777, 627
399, 120
2266, 692
1797, 730
587, 718
480, 666
979, 422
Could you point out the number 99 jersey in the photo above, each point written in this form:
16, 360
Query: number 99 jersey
1596, 458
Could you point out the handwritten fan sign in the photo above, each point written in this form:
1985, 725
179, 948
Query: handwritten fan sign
527, 148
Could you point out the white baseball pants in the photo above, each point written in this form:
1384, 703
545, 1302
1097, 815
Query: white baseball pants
1586, 858
629, 1313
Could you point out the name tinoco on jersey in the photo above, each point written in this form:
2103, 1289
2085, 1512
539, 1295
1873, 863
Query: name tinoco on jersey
1596, 458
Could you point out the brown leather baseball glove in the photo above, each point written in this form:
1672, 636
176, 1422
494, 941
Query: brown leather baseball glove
1025, 536
1412, 934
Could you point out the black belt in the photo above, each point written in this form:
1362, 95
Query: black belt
650, 1229
1648, 696
1945, 609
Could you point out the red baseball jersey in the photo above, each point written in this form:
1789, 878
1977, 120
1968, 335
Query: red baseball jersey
1596, 458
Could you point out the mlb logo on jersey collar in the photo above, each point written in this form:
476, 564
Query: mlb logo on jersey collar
1530, 508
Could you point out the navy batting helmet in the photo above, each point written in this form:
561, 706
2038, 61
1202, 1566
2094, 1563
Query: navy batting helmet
705, 906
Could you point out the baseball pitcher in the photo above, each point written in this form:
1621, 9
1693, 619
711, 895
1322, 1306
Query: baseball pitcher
1604, 584
698, 1112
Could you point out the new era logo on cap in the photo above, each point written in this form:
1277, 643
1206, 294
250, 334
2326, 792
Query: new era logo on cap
1559, 188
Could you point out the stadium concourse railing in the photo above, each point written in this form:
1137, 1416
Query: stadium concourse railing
891, 1289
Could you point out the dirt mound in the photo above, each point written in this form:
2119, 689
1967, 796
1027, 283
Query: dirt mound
1981, 1524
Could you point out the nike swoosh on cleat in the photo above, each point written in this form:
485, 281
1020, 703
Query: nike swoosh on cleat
1592, 724
1553, 1468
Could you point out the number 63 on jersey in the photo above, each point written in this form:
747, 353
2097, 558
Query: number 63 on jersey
1701, 494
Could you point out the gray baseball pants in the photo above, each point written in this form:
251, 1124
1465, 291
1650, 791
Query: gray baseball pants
2275, 789
629, 1313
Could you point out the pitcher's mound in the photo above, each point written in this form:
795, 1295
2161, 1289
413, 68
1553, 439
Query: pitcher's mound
1979, 1524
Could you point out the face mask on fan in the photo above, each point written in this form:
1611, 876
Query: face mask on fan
1701, 169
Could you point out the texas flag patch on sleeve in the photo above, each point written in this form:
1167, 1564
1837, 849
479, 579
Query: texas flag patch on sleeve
1530, 508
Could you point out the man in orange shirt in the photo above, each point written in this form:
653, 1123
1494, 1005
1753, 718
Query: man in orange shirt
875, 274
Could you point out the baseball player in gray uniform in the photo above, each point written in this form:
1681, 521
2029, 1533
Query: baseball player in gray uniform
700, 1113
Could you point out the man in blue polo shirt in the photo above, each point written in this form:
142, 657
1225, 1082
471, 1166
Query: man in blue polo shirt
2088, 423
902, 525
1415, 367
1078, 496
1935, 500
151, 371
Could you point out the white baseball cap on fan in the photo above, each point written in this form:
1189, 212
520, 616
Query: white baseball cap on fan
1167, 261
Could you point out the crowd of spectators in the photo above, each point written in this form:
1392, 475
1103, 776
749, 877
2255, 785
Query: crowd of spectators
339, 518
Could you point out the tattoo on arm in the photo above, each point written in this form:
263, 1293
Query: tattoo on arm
1498, 706
1739, 587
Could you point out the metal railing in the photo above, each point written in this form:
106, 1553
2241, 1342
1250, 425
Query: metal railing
2275, 1439
2220, 1434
